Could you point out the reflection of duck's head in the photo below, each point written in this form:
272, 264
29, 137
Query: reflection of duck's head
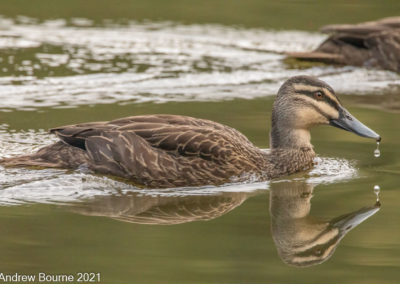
161, 210
303, 102
300, 239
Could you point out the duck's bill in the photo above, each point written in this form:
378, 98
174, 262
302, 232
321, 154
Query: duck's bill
348, 122
347, 222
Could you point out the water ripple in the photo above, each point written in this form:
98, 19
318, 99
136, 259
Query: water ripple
55, 63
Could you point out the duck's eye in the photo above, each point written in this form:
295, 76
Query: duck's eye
318, 95
318, 252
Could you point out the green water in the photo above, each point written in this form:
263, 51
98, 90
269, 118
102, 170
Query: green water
285, 14
232, 241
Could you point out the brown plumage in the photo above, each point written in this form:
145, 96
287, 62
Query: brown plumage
161, 151
373, 44
172, 150
161, 210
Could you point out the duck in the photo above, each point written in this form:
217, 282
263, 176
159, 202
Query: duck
303, 240
166, 151
373, 44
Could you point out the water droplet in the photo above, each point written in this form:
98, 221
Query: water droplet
377, 152
377, 190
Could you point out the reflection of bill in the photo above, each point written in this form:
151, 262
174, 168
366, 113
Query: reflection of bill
300, 239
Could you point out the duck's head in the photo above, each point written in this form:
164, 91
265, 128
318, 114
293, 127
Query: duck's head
303, 102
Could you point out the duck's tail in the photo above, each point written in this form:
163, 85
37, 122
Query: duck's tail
57, 155
19, 161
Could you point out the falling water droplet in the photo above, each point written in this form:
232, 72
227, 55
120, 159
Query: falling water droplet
377, 152
377, 190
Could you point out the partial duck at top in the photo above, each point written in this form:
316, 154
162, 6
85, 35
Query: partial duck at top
160, 151
374, 44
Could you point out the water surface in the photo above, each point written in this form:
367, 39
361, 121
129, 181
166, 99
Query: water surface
64, 70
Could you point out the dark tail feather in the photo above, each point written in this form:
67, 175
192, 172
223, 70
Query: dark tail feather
15, 161
57, 155
28, 161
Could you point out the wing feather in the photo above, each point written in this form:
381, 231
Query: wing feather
177, 135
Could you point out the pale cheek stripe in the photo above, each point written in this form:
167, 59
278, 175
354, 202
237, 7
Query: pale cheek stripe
324, 109
307, 88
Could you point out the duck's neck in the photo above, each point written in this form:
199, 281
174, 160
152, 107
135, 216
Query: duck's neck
291, 149
289, 138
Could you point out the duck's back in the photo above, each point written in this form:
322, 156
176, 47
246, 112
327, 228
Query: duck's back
153, 150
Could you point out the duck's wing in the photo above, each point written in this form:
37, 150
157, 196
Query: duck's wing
178, 135
339, 48
357, 30
364, 28
128, 155
163, 151
385, 49
76, 134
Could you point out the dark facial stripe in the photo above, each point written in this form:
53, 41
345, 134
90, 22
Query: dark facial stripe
326, 98
321, 248
314, 107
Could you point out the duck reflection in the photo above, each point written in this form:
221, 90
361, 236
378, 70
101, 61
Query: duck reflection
302, 240
162, 210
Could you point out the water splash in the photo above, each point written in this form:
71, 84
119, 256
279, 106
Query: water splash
330, 170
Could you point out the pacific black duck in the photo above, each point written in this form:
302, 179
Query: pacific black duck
373, 44
173, 151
